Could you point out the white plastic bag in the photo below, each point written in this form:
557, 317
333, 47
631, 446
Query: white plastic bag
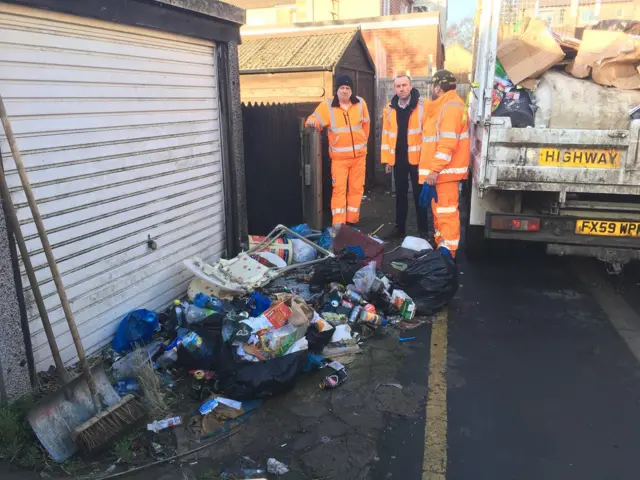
416, 244
302, 252
300, 345
342, 334
364, 278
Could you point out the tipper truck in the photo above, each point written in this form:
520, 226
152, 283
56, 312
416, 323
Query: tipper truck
571, 180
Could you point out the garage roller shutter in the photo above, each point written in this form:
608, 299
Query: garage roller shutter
120, 135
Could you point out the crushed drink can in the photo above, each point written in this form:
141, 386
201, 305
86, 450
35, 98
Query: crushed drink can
372, 319
370, 308
353, 296
355, 314
347, 304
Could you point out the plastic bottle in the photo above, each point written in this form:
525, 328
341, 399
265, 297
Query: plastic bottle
194, 314
177, 314
125, 386
205, 301
168, 358
195, 344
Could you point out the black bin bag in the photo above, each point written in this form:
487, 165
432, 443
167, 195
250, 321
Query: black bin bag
431, 280
251, 381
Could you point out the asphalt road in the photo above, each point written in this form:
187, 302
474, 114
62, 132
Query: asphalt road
541, 385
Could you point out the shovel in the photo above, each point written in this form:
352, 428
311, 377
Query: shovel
54, 418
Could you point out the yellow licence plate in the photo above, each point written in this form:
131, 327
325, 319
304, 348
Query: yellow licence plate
554, 157
608, 229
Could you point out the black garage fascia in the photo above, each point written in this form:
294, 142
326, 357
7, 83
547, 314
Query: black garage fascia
188, 17
145, 13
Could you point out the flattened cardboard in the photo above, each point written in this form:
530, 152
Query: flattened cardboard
531, 54
612, 59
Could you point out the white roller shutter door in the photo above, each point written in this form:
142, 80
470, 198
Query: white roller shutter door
120, 135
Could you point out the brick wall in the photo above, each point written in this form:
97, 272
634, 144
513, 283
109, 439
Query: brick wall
407, 49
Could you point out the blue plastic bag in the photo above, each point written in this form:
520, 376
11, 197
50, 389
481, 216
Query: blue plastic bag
205, 301
258, 304
303, 230
325, 240
136, 327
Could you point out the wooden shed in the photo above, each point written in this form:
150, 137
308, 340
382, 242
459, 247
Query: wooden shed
301, 66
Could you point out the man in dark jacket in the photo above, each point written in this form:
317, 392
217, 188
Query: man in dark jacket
402, 123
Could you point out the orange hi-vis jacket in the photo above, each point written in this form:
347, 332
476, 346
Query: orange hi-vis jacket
348, 130
390, 134
445, 140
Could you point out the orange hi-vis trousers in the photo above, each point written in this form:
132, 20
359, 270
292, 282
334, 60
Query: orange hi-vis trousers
348, 187
446, 216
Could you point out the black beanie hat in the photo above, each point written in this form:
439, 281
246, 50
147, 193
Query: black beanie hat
344, 80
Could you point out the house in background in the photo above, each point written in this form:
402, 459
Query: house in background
440, 6
572, 16
267, 12
285, 12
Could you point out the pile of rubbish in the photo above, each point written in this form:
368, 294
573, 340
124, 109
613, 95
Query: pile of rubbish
608, 53
250, 326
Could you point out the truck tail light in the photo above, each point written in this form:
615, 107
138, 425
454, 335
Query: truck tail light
515, 224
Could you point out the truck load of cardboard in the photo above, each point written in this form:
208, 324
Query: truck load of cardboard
540, 76
609, 53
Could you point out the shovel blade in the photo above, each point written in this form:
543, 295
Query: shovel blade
54, 418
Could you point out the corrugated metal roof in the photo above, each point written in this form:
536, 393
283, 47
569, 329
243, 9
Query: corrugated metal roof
305, 51
249, 4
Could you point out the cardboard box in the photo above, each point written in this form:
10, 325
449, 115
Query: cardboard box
531, 54
278, 314
612, 59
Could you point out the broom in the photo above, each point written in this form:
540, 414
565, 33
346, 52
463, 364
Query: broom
110, 422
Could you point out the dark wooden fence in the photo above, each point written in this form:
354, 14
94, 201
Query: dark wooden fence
273, 167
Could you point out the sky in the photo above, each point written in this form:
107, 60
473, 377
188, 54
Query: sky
458, 9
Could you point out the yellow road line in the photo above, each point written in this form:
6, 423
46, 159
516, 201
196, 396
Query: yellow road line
434, 466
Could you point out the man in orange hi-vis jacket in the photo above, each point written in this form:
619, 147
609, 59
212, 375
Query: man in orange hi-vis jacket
444, 159
347, 119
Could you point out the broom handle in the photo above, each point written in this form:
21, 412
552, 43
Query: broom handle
33, 281
49, 253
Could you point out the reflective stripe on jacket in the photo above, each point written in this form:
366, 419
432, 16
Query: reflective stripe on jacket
348, 129
390, 134
445, 140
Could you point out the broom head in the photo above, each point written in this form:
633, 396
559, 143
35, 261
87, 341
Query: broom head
106, 426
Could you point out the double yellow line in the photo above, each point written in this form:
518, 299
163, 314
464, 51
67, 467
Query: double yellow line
434, 465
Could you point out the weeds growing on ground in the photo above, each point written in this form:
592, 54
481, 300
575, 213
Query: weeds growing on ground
17, 441
151, 387
124, 448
